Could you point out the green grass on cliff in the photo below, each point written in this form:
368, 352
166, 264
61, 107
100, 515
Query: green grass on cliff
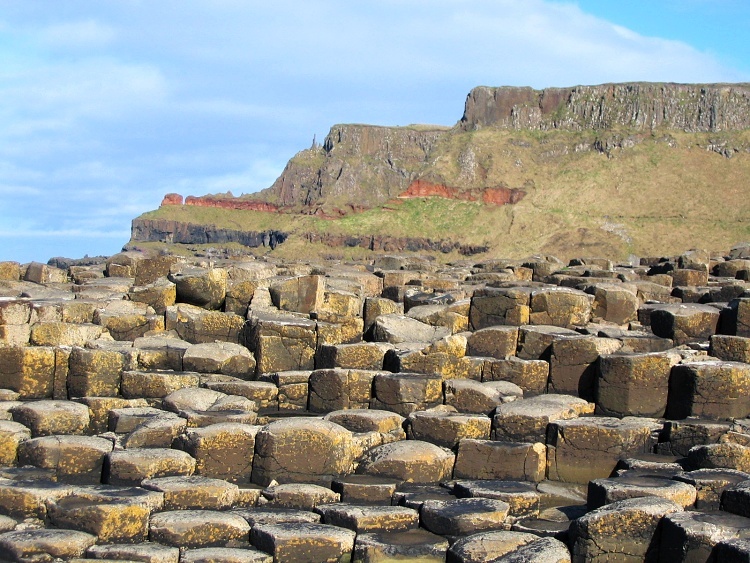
663, 193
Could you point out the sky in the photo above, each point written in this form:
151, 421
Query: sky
105, 106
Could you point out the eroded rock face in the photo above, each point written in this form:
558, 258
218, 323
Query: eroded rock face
302, 450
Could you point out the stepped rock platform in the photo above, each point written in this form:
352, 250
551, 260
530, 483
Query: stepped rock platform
165, 409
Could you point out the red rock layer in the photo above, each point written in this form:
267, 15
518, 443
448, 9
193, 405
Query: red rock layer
171, 199
489, 196
223, 203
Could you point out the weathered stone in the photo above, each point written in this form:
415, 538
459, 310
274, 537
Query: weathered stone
225, 555
188, 492
535, 342
463, 516
409, 460
74, 459
488, 459
587, 448
405, 393
730, 348
443, 315
127, 419
196, 325
542, 549
736, 319
710, 484
530, 375
239, 296
63, 334
221, 451
709, 389
445, 428
375, 307
15, 335
156, 384
148, 552
131, 467
736, 499
10, 271
522, 497
559, 306
493, 342
198, 400
394, 329
44, 545
293, 389
297, 496
160, 352
685, 322
336, 389
487, 546
12, 434
638, 483
360, 355
412, 545
156, 432
44, 274
27, 498
304, 542
679, 436
203, 287
94, 373
724, 455
469, 396
574, 364
303, 294
265, 394
199, 528
500, 306
46, 417
333, 330
414, 495
364, 489
259, 515
628, 526
692, 536
434, 359
112, 514
30, 371
220, 357
614, 303
634, 384
526, 420
302, 450
281, 342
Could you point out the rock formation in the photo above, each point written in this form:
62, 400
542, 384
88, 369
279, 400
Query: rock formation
160, 408
607, 168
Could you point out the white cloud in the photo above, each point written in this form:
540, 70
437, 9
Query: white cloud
78, 34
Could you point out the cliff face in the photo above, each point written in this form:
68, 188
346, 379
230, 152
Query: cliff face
176, 232
358, 166
640, 106
614, 167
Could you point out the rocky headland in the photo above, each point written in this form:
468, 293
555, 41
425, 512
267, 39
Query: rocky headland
612, 170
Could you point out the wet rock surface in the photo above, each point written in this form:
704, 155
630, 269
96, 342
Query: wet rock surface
268, 411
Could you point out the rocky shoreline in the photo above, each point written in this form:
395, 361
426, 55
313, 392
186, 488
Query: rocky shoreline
167, 409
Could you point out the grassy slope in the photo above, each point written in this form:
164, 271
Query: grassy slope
651, 198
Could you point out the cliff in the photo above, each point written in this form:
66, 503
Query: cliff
637, 106
611, 169
357, 166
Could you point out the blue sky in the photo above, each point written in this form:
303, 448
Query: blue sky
107, 106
